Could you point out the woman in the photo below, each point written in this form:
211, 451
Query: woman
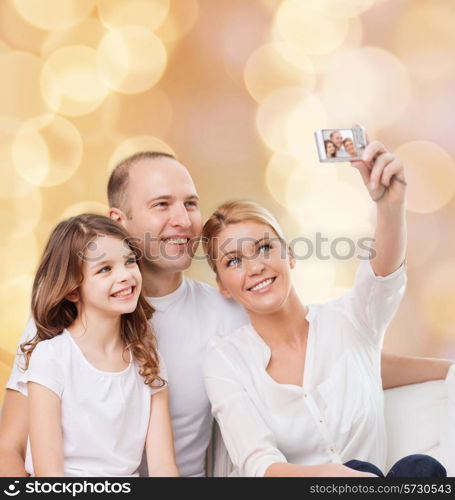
297, 392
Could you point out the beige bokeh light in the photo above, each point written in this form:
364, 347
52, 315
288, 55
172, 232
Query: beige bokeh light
147, 13
424, 39
273, 114
20, 95
266, 70
277, 173
18, 253
339, 9
54, 14
430, 172
85, 207
137, 144
12, 185
17, 32
131, 59
15, 295
87, 33
309, 29
367, 85
437, 291
308, 116
322, 203
47, 150
70, 82
314, 280
353, 40
135, 114
21, 214
179, 22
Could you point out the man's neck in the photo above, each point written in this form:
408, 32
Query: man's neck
160, 283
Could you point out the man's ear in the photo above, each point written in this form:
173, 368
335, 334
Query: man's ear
117, 215
224, 292
73, 296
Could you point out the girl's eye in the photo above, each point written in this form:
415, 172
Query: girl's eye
108, 268
233, 262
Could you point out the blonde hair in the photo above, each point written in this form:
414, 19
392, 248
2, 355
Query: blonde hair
233, 212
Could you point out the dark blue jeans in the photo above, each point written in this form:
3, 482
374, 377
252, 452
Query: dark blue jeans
410, 466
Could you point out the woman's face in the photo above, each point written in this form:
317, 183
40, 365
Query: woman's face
330, 148
350, 148
253, 266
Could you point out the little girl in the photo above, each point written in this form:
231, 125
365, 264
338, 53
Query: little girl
95, 382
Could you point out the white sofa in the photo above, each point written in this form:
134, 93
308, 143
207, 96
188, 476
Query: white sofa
420, 418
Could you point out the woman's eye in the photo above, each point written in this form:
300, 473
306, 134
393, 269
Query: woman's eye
266, 247
131, 260
233, 262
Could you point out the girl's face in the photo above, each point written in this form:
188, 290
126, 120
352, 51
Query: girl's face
330, 149
253, 266
112, 280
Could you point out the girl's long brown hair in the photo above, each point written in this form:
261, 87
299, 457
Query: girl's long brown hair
60, 274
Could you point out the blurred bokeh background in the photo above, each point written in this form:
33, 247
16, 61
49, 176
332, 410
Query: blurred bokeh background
235, 88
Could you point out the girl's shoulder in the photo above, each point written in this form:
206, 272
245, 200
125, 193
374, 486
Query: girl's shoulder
56, 346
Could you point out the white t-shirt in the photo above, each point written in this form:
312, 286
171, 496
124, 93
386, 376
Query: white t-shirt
185, 322
337, 414
342, 153
105, 415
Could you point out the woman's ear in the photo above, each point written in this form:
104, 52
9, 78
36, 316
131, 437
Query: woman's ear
291, 257
73, 296
224, 292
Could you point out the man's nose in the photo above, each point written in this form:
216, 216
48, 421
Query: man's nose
180, 216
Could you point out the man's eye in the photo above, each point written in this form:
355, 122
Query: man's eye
191, 204
233, 262
161, 204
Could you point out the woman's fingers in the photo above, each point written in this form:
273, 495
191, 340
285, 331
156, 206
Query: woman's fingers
379, 165
373, 150
393, 168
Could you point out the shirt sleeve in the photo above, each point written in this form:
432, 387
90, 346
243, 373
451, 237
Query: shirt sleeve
19, 360
373, 300
44, 369
162, 373
250, 442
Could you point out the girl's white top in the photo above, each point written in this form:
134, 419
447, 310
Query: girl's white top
105, 415
337, 413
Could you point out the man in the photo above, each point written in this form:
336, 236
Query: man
337, 139
154, 197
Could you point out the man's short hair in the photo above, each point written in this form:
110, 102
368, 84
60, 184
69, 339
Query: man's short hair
118, 181
332, 133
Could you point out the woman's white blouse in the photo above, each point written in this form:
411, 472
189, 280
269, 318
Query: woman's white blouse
337, 414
